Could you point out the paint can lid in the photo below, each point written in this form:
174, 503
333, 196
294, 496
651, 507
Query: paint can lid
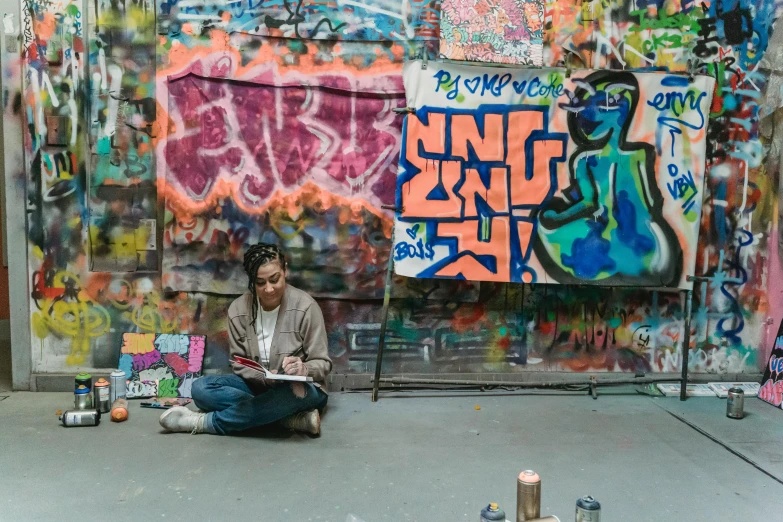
529, 476
493, 512
589, 503
82, 389
736, 390
83, 376
102, 382
118, 373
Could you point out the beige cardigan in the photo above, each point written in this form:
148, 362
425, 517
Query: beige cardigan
299, 323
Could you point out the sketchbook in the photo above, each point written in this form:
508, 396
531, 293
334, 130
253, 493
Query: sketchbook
247, 363
721, 389
692, 390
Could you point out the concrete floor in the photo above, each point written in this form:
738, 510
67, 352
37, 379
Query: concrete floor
419, 456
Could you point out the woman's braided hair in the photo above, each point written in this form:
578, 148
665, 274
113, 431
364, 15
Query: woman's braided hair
255, 257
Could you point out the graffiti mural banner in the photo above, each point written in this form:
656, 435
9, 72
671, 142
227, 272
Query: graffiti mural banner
528, 176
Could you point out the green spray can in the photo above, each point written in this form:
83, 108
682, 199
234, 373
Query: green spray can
84, 379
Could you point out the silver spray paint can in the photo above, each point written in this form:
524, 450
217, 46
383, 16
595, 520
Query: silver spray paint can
100, 396
528, 496
80, 418
588, 510
735, 403
117, 385
82, 398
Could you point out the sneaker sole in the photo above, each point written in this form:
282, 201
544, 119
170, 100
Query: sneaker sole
317, 425
165, 414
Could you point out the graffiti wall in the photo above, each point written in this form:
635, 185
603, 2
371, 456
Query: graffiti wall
351, 20
161, 138
530, 177
122, 196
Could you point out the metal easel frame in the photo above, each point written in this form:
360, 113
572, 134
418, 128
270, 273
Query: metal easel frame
384, 313
686, 341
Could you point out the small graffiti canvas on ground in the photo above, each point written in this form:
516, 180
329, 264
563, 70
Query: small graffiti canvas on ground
772, 382
161, 365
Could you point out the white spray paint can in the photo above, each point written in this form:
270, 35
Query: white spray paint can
117, 385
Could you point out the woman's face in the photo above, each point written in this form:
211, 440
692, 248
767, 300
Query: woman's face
270, 285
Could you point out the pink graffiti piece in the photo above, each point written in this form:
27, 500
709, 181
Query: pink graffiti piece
196, 354
177, 363
772, 392
261, 138
202, 154
145, 360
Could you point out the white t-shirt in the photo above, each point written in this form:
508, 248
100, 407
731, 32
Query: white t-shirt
265, 326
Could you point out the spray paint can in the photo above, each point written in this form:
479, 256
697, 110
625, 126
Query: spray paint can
80, 418
100, 396
735, 403
492, 513
84, 379
119, 410
82, 400
117, 385
588, 510
528, 496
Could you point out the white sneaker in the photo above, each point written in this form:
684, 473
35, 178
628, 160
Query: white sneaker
306, 421
180, 418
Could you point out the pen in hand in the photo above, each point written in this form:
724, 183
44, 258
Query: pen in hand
294, 354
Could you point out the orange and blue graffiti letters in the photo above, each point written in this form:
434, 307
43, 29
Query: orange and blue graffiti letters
468, 182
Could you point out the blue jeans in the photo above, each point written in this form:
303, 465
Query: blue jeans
234, 407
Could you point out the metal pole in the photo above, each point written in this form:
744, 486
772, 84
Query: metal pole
384, 320
592, 383
686, 345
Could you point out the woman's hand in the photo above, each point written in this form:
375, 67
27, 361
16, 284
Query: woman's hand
294, 366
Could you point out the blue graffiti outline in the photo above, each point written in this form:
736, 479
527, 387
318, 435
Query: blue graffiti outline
671, 98
734, 264
497, 83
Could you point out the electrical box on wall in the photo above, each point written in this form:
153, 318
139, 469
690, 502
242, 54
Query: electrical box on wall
57, 131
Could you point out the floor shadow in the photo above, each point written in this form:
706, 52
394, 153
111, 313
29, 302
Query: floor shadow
262, 432
273, 431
